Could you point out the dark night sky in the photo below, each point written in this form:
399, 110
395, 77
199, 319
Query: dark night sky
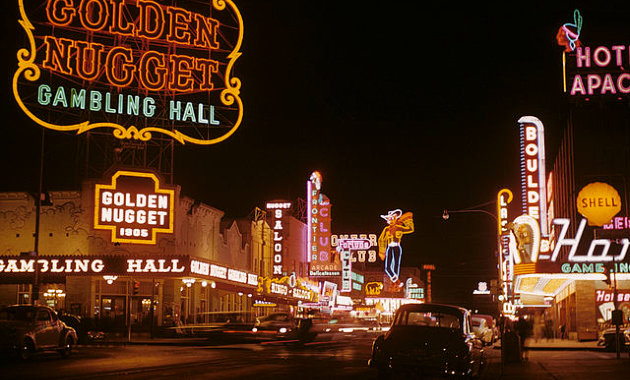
399, 104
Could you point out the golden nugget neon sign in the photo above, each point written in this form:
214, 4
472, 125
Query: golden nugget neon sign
91, 75
134, 207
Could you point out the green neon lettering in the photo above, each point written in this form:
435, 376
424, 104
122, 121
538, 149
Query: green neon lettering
43, 95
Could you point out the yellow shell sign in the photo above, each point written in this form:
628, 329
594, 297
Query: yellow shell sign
598, 202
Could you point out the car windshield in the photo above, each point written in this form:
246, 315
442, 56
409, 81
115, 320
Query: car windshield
17, 314
428, 318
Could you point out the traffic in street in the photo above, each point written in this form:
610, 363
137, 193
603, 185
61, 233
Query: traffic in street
340, 359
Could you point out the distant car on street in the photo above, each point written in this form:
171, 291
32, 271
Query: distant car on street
279, 323
26, 329
482, 330
428, 340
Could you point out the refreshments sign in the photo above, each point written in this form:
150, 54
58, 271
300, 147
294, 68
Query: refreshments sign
134, 207
136, 67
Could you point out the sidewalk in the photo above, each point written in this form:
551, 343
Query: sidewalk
558, 344
562, 344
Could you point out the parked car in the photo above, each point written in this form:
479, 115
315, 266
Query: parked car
428, 340
482, 330
491, 323
607, 338
26, 329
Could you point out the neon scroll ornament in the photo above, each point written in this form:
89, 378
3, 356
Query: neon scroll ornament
569, 33
389, 247
99, 64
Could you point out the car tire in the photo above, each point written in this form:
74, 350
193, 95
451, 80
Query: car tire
27, 350
67, 348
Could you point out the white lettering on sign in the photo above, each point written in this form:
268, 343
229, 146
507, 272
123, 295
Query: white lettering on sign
51, 265
278, 219
276, 205
199, 268
134, 208
252, 279
279, 289
218, 271
608, 296
154, 266
591, 255
237, 275
533, 177
368, 254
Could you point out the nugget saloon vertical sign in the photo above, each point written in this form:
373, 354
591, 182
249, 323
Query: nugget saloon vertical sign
134, 207
136, 67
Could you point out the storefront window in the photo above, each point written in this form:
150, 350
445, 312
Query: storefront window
24, 294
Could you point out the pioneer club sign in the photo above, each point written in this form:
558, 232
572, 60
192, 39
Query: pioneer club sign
134, 207
138, 67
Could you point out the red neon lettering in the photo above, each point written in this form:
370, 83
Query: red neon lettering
154, 78
87, 12
181, 74
206, 32
149, 11
178, 26
60, 16
57, 54
117, 19
207, 67
127, 68
88, 63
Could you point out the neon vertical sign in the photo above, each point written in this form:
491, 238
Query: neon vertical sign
323, 261
345, 247
533, 177
279, 212
506, 268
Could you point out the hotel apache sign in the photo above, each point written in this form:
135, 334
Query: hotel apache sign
138, 67
134, 207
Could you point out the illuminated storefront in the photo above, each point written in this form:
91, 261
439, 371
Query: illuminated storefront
187, 262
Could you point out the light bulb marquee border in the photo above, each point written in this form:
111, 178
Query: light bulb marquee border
229, 95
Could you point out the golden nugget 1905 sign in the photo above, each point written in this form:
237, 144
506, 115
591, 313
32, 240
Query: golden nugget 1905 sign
134, 207
137, 67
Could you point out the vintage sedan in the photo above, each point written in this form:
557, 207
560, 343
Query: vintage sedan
428, 340
26, 329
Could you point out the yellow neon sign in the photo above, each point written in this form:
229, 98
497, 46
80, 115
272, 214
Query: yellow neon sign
60, 15
124, 232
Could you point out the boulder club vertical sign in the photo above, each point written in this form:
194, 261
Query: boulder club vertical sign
134, 207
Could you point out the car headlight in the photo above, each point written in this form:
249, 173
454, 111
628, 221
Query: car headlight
282, 330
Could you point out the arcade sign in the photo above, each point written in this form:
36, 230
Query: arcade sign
134, 207
137, 67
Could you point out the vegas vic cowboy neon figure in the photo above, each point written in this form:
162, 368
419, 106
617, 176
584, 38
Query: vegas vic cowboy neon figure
389, 248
